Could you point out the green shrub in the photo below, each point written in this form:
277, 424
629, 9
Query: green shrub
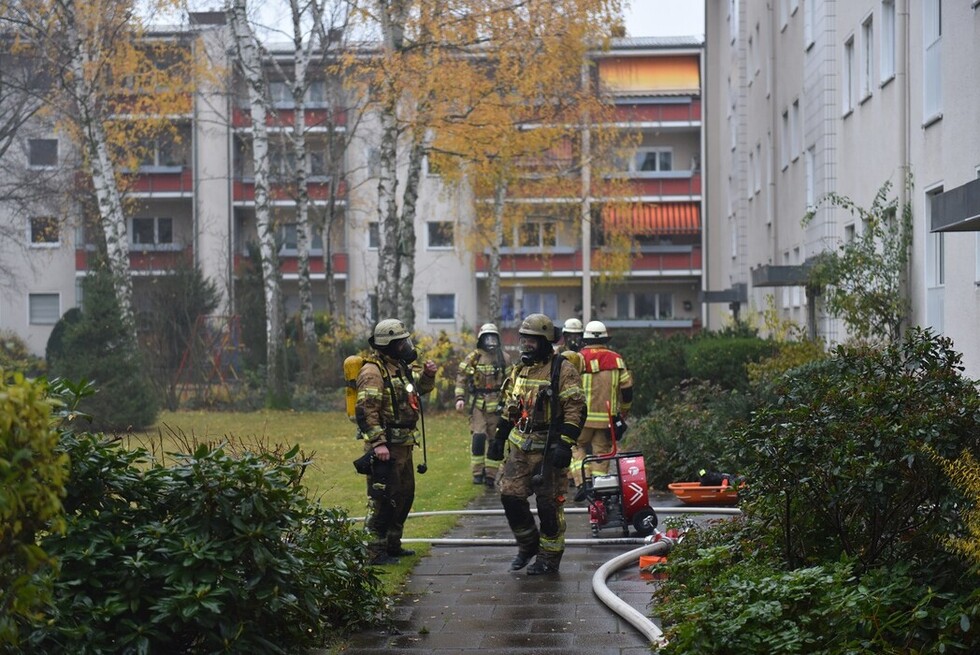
219, 552
842, 460
688, 432
656, 365
32, 480
98, 347
723, 360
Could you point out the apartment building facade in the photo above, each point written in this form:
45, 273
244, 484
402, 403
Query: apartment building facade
196, 200
811, 97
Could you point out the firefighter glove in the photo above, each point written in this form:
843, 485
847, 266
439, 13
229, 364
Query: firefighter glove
559, 454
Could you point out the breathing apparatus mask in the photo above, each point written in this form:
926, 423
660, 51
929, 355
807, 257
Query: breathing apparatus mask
534, 348
573, 340
403, 350
489, 342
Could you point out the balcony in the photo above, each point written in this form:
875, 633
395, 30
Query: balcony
289, 264
163, 182
318, 188
316, 116
663, 113
566, 264
161, 259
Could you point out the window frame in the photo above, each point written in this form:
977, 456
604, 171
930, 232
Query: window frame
847, 77
373, 235
32, 311
433, 229
866, 75
659, 151
32, 155
886, 43
430, 297
35, 229
157, 243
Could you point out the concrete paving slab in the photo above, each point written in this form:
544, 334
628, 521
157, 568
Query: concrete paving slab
462, 599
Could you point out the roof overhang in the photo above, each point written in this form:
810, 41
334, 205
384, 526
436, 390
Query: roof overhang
736, 293
779, 276
956, 210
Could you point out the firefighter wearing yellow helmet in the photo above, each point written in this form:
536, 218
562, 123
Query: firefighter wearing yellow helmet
542, 412
389, 387
608, 390
478, 382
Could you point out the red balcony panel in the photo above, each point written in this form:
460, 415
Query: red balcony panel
143, 261
245, 191
320, 117
290, 265
660, 113
168, 182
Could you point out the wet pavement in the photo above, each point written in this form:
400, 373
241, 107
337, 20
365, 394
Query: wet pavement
462, 599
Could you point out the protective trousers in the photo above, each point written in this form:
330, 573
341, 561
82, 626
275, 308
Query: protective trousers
387, 515
601, 443
482, 423
548, 540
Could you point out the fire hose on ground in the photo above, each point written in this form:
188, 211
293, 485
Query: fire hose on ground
599, 587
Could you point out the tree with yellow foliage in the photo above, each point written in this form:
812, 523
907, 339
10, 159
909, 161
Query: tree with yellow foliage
112, 90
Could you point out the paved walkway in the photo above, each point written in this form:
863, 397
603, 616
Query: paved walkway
462, 599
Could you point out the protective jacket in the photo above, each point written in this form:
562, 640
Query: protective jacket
481, 375
526, 404
388, 400
605, 379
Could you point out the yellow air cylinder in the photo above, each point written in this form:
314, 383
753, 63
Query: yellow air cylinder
352, 365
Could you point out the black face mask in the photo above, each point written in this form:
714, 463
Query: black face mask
534, 348
403, 350
573, 342
489, 342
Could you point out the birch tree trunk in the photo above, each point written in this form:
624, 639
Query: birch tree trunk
250, 64
304, 227
493, 265
111, 216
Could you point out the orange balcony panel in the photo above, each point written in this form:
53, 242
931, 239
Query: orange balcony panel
143, 261
169, 182
653, 219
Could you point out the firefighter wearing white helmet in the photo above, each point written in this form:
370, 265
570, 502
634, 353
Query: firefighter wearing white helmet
542, 408
387, 412
608, 389
481, 373
572, 335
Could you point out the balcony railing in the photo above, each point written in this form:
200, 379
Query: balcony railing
661, 112
651, 260
143, 261
289, 264
318, 116
164, 180
318, 189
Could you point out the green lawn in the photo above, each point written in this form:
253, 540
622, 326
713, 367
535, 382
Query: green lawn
327, 438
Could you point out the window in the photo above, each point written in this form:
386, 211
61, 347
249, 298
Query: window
431, 166
757, 174
374, 235
42, 153
785, 290
850, 233
847, 80
152, 231
373, 157
935, 248
867, 58
164, 151
752, 175
733, 19
795, 128
282, 163
783, 13
793, 6
810, 173
648, 305
288, 235
932, 96
537, 234
784, 142
44, 308
795, 291
809, 22
653, 159
540, 303
752, 64
44, 231
887, 63
440, 234
442, 306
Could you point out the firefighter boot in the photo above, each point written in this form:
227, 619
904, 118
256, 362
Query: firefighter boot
521, 560
545, 565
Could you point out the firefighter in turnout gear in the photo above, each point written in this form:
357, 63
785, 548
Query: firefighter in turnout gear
608, 390
480, 376
542, 412
387, 412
